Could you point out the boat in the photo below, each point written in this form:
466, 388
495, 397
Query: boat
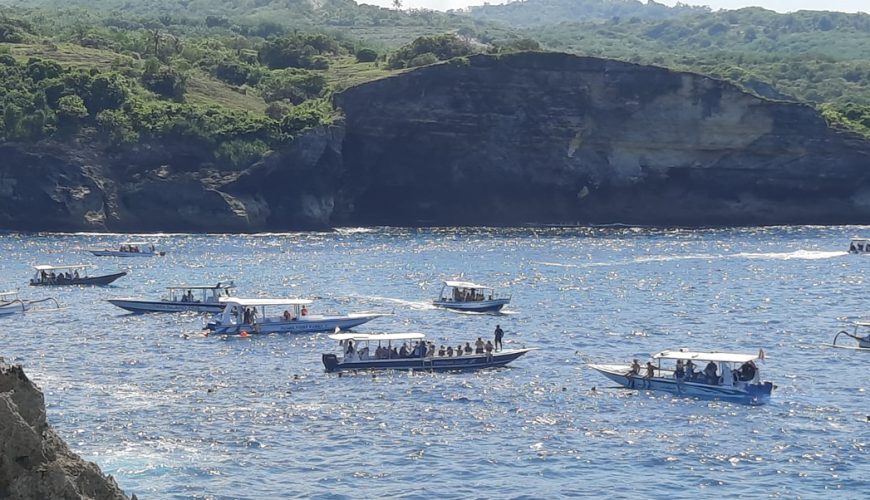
375, 351
863, 341
245, 316
199, 298
466, 296
70, 275
11, 303
721, 378
129, 249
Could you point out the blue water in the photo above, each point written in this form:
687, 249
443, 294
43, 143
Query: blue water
175, 415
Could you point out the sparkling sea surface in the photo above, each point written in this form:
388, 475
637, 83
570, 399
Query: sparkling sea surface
171, 414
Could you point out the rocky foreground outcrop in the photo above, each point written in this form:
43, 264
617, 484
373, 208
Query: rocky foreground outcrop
500, 140
34, 462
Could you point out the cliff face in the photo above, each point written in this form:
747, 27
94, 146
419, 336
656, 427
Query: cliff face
34, 462
534, 137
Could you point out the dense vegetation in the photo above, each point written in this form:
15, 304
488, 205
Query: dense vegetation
242, 76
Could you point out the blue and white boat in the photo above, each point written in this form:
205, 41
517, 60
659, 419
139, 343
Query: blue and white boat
199, 298
863, 340
375, 351
725, 376
471, 297
253, 316
129, 249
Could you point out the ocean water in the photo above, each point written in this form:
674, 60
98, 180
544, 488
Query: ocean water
171, 414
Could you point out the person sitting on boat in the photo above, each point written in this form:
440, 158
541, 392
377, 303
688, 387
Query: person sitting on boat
349, 350
690, 370
679, 371
304, 311
76, 274
442, 351
287, 315
449, 351
710, 372
468, 349
747, 371
478, 346
633, 372
363, 353
403, 352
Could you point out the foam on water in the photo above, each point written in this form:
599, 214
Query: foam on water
175, 416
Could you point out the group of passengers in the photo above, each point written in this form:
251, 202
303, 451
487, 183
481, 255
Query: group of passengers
421, 349
51, 277
187, 296
686, 372
468, 295
288, 316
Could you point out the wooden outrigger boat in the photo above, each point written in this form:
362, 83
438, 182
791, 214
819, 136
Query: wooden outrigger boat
720, 379
863, 341
252, 316
467, 296
70, 275
199, 298
11, 303
375, 351
129, 249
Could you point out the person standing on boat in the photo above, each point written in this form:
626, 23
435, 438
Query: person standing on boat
499, 334
633, 372
650, 372
478, 346
710, 371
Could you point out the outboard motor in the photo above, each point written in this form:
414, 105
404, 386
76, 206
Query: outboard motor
330, 361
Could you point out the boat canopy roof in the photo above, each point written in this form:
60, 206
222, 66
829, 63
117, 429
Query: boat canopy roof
137, 243
860, 239
862, 323
376, 336
728, 357
267, 302
71, 266
465, 284
202, 287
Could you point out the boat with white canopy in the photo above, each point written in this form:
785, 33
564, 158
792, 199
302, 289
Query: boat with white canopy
76, 274
199, 298
859, 246
129, 249
279, 316
862, 339
380, 351
467, 296
725, 376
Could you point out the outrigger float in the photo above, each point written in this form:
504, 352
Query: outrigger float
243, 316
129, 249
863, 342
207, 298
11, 303
467, 296
718, 379
359, 351
70, 275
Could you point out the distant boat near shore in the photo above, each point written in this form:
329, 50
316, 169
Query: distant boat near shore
129, 249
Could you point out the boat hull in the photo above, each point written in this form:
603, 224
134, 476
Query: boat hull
115, 253
752, 394
12, 308
90, 280
149, 306
494, 305
433, 363
301, 325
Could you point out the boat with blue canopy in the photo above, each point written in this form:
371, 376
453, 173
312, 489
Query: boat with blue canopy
198, 298
726, 376
380, 351
291, 315
471, 297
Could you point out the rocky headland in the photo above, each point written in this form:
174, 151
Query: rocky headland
484, 140
35, 463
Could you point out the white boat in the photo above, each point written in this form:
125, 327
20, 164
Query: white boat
279, 316
129, 249
863, 340
725, 376
859, 246
11, 303
377, 351
467, 296
76, 274
199, 298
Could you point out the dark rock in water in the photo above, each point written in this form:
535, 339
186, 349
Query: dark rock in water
35, 463
489, 140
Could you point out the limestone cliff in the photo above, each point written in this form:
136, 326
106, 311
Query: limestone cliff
503, 140
34, 462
